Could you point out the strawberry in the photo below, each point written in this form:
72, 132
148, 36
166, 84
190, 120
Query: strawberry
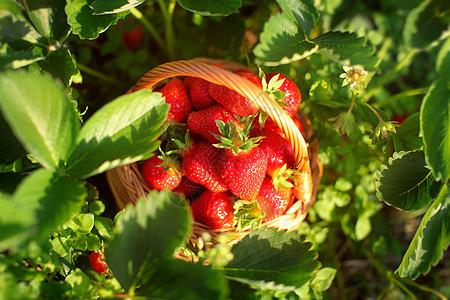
300, 126
189, 189
243, 164
160, 175
273, 202
269, 204
214, 209
176, 95
200, 166
97, 261
292, 97
200, 97
188, 81
244, 172
203, 122
232, 100
278, 149
133, 38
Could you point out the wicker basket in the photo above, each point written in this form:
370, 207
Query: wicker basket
128, 185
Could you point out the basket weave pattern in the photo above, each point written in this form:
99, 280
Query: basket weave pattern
128, 185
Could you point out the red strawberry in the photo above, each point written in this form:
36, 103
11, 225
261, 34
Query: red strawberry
300, 126
244, 172
176, 95
188, 81
189, 189
133, 38
273, 202
292, 97
97, 262
203, 121
200, 166
214, 209
270, 203
154, 173
232, 100
200, 97
278, 149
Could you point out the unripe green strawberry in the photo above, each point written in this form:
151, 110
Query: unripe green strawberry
200, 166
232, 100
176, 95
203, 122
214, 209
160, 177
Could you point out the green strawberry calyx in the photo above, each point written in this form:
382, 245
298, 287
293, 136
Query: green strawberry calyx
247, 213
234, 138
283, 178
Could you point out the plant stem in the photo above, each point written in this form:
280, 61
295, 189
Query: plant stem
151, 29
339, 279
425, 289
96, 73
380, 119
401, 95
170, 35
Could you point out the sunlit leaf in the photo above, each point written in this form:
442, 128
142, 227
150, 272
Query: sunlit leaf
435, 128
40, 114
101, 7
346, 48
121, 132
84, 23
302, 12
147, 234
272, 259
431, 239
406, 182
211, 7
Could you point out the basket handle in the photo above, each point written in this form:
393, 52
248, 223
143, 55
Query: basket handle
241, 85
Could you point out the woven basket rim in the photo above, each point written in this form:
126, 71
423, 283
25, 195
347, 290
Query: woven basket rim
128, 186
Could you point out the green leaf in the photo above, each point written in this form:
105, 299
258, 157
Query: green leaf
431, 239
301, 12
272, 259
49, 19
84, 23
362, 227
211, 7
15, 28
101, 7
41, 203
406, 183
82, 288
408, 134
18, 59
192, 281
435, 128
147, 234
61, 64
282, 42
82, 223
40, 115
121, 132
346, 48
104, 226
423, 25
323, 279
443, 60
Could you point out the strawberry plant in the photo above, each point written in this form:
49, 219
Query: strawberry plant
371, 77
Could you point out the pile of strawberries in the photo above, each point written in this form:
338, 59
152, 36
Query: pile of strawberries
223, 154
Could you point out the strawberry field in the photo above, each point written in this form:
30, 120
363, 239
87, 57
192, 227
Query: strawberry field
286, 149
